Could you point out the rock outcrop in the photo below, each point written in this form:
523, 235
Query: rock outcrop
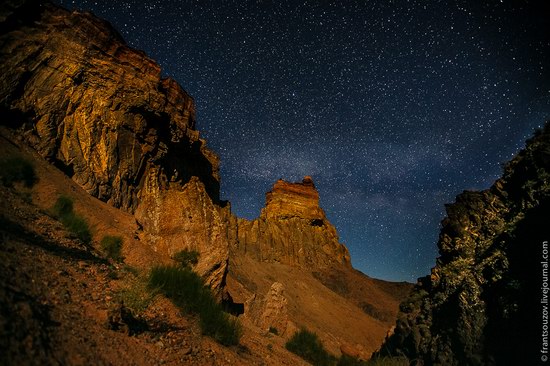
292, 229
178, 218
270, 312
101, 112
484, 302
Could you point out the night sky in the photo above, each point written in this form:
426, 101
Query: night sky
393, 107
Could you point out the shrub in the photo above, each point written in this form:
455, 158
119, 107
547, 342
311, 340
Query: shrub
346, 360
388, 361
112, 247
273, 330
77, 225
136, 296
25, 196
188, 292
17, 169
63, 206
186, 257
130, 270
307, 345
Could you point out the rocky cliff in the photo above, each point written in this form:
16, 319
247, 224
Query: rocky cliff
75, 94
292, 229
101, 112
484, 301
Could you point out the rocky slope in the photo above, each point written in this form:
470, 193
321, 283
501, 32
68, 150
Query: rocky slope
100, 111
289, 270
60, 299
483, 303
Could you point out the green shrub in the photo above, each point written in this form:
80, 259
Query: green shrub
188, 292
307, 345
112, 247
63, 206
273, 330
25, 196
186, 257
136, 296
17, 169
77, 225
387, 361
346, 360
130, 270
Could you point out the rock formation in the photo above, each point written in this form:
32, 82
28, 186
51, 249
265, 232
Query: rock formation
270, 312
185, 217
484, 301
292, 229
100, 111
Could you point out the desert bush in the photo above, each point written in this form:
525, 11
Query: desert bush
17, 169
63, 206
130, 270
112, 247
374, 312
387, 361
188, 292
186, 257
273, 330
77, 225
307, 345
346, 360
136, 296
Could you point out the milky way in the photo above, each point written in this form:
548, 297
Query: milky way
394, 107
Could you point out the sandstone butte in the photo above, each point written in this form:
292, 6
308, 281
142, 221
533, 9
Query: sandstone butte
292, 229
99, 111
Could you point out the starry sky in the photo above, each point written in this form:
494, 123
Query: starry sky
392, 106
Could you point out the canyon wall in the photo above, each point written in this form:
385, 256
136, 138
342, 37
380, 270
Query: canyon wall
100, 111
481, 305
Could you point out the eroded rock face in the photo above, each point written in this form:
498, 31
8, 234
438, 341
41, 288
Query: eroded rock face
270, 312
181, 218
100, 111
482, 303
294, 200
95, 107
292, 229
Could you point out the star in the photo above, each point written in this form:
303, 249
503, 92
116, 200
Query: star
393, 107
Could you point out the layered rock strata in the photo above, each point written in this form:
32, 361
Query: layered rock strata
270, 312
101, 112
97, 108
292, 229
